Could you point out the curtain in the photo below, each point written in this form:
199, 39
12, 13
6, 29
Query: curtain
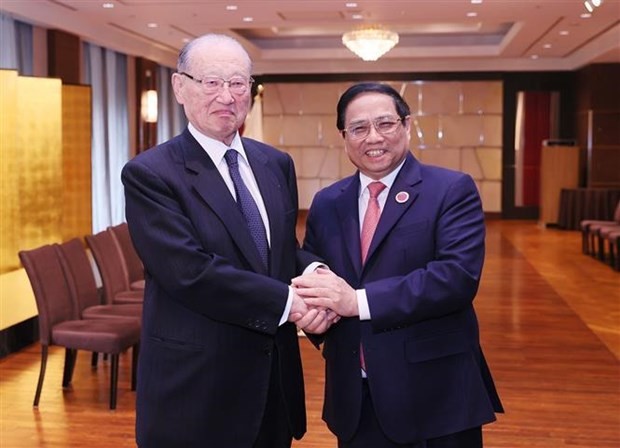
171, 119
17, 52
106, 72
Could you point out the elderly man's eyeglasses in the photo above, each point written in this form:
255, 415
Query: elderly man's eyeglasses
383, 125
214, 84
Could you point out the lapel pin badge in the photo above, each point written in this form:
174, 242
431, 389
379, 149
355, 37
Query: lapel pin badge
402, 197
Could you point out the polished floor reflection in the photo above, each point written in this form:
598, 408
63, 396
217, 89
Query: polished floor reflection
550, 323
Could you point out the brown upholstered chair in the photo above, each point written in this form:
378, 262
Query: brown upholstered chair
590, 230
606, 243
613, 241
112, 269
133, 264
83, 287
59, 322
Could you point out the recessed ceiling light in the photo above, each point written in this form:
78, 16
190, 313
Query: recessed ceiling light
108, 5
248, 19
186, 40
351, 5
588, 6
547, 46
476, 2
534, 56
564, 33
585, 15
596, 3
472, 14
357, 16
231, 7
152, 25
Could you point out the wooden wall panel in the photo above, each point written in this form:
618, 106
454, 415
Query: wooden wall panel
63, 51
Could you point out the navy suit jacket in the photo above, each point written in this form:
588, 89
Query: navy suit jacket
426, 371
211, 310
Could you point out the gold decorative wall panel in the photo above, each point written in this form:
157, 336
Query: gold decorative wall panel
31, 170
9, 205
39, 158
76, 161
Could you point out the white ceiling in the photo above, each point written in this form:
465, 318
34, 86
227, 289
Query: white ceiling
304, 36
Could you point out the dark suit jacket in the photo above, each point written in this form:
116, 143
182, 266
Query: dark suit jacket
426, 371
211, 311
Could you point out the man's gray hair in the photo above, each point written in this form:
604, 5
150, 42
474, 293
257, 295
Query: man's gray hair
184, 56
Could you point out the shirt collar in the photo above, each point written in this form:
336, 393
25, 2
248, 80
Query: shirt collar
215, 148
388, 180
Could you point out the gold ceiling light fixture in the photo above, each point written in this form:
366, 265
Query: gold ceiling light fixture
370, 42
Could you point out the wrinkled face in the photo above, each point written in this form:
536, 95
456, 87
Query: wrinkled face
387, 141
220, 113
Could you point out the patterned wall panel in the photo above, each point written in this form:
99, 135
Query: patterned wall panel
454, 124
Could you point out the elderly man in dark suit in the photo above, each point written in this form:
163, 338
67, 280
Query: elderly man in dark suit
405, 245
212, 216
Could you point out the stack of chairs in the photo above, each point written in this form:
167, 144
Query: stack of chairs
62, 309
113, 268
601, 239
75, 314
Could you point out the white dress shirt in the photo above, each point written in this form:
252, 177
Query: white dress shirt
216, 150
388, 181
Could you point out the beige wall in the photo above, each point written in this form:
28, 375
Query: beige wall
457, 125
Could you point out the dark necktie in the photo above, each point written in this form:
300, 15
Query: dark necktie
248, 207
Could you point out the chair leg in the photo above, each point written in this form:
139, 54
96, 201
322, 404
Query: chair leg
37, 394
591, 244
94, 359
135, 351
601, 246
113, 380
67, 375
584, 241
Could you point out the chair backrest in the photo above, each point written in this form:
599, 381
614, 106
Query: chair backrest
617, 213
135, 268
50, 288
110, 263
78, 273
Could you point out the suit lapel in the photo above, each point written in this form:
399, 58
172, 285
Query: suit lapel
209, 184
348, 212
401, 197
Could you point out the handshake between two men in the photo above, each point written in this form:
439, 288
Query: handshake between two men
320, 299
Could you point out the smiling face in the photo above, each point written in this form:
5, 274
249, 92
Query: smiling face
217, 114
377, 154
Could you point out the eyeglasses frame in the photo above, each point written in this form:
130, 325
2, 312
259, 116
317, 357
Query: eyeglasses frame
225, 82
374, 125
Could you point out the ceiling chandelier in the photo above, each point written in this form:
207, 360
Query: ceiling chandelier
370, 42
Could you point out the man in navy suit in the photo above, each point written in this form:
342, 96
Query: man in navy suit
404, 367
219, 363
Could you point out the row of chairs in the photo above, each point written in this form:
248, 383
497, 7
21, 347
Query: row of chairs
74, 314
601, 239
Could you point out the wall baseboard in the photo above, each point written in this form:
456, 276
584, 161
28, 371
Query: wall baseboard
18, 336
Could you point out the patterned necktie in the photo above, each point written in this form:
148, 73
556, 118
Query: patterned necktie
248, 207
371, 218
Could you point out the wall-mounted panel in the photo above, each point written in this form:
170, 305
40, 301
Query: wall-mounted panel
76, 162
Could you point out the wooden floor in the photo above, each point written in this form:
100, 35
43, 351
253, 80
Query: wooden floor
550, 325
